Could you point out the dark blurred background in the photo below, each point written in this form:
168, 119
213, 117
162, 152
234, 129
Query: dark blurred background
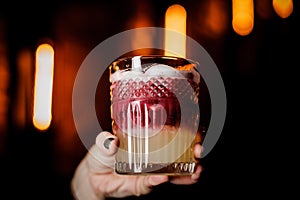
255, 68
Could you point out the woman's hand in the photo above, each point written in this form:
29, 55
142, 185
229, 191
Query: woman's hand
95, 177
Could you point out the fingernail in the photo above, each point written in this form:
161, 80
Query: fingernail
107, 142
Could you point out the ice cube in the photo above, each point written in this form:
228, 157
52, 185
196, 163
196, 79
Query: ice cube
163, 70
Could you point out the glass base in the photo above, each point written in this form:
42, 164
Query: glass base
176, 168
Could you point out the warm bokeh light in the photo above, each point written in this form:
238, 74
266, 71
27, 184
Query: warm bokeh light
216, 18
4, 77
4, 86
242, 16
142, 18
175, 20
43, 86
283, 7
24, 89
263, 9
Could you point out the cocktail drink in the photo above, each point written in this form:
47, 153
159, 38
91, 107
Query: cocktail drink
155, 114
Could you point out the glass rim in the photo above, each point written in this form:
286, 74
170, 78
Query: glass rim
155, 56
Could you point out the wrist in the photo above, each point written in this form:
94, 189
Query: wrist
81, 186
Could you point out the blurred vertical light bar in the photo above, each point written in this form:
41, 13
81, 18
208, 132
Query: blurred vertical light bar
43, 85
142, 18
216, 19
283, 8
24, 89
175, 20
263, 8
4, 86
242, 16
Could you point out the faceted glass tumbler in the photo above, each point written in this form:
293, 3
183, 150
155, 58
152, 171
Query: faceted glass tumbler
155, 114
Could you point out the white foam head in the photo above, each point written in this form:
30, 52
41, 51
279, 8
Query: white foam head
121, 75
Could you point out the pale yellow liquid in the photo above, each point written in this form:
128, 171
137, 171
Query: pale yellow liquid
169, 151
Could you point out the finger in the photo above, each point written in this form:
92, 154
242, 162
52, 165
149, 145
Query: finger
101, 156
198, 149
154, 180
145, 184
107, 143
126, 185
196, 175
148, 183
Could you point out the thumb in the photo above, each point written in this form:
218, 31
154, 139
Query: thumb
101, 156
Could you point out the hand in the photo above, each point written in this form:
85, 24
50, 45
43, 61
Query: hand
95, 177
